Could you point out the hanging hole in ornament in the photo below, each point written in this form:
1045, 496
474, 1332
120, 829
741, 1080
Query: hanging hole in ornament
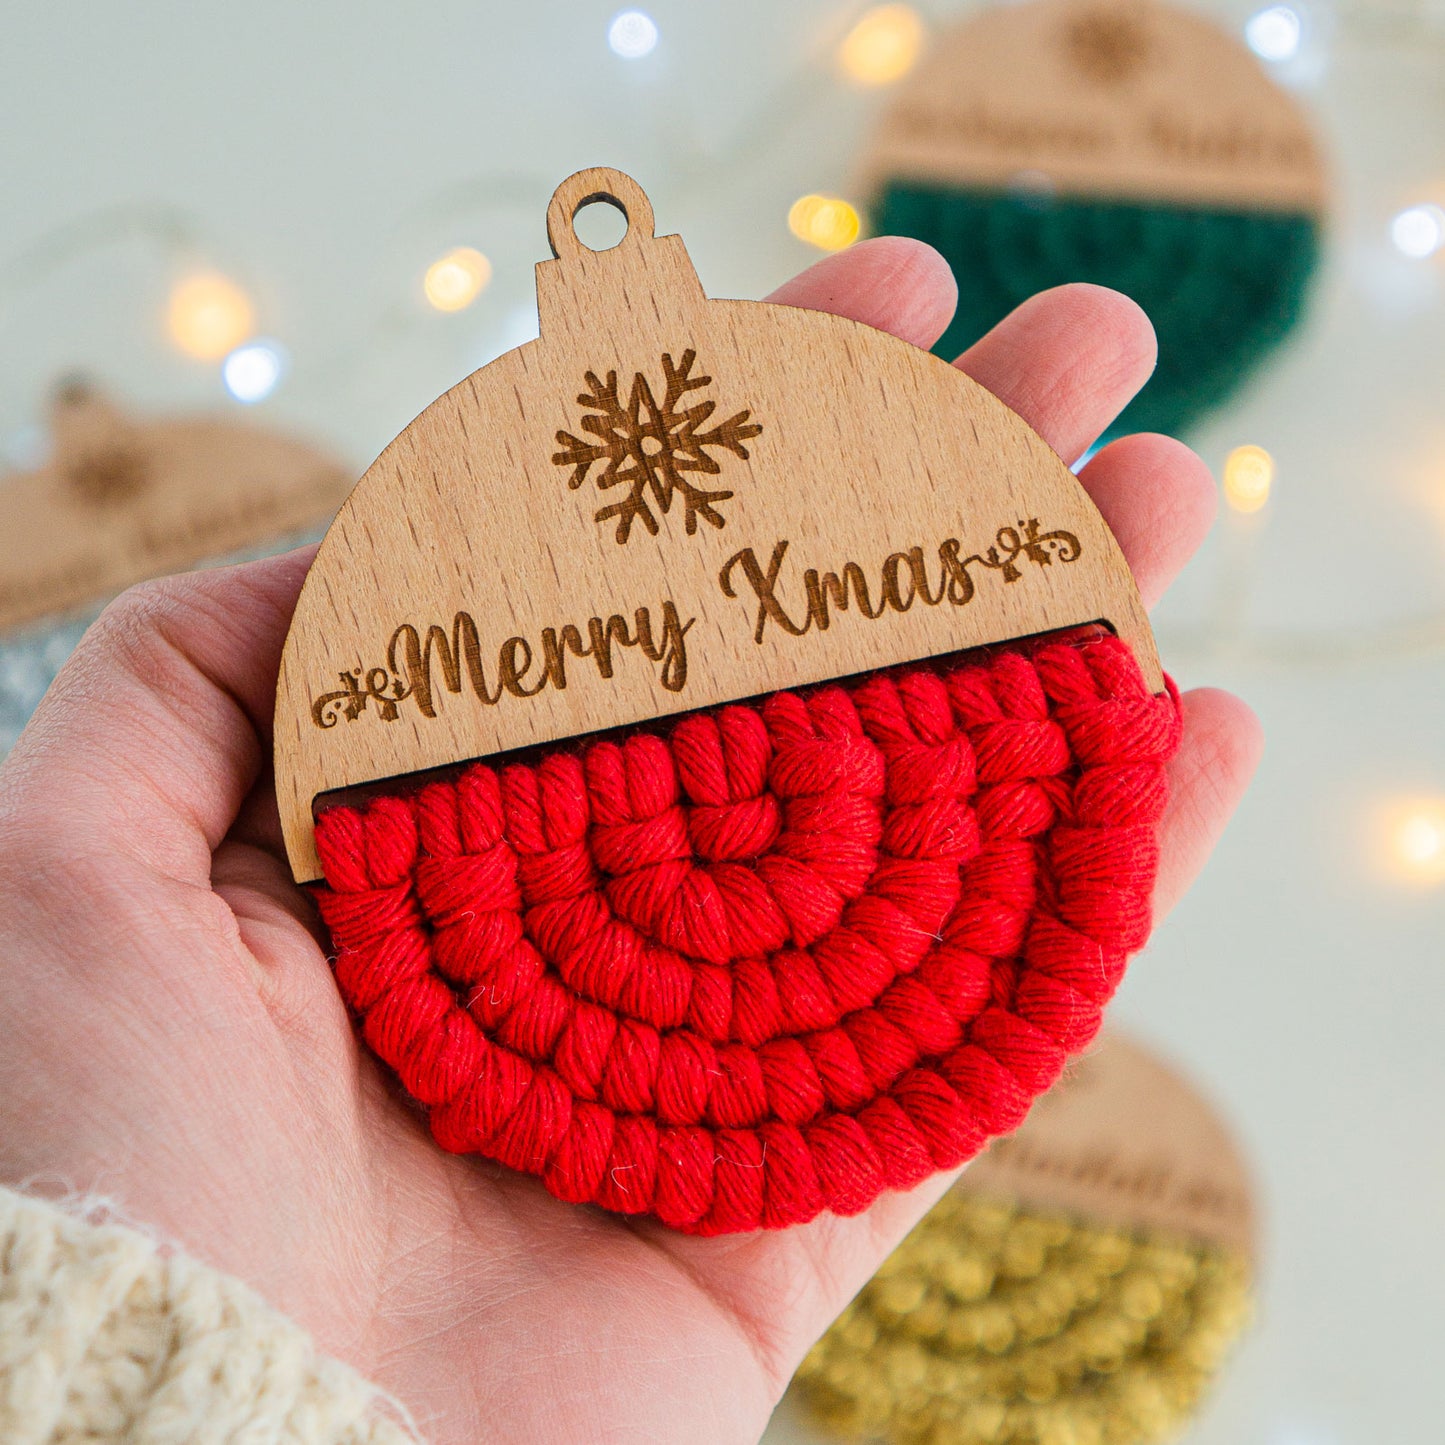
74, 388
601, 222
599, 230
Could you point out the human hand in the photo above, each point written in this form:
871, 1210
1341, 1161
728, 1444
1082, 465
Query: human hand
174, 1040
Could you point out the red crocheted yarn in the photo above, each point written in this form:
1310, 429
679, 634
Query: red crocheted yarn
757, 963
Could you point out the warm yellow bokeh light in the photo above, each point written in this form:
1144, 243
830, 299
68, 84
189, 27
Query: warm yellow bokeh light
1248, 476
452, 282
824, 222
1417, 840
883, 46
209, 315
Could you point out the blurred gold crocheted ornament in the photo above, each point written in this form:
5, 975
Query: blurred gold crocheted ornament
1005, 1319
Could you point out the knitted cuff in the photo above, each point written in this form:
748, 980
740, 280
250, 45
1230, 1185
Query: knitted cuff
106, 1337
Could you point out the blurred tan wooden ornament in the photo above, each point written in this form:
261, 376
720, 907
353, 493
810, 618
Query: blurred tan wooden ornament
125, 498
752, 462
1116, 98
1082, 1283
1128, 143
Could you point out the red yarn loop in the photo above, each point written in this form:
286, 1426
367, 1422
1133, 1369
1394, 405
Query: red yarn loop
780, 959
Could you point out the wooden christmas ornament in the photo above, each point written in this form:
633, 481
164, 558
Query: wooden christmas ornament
762, 899
1084, 1280
1123, 142
126, 498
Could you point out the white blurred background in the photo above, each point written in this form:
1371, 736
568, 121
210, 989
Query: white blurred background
321, 158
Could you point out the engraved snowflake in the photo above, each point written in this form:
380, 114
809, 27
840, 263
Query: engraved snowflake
1108, 48
107, 476
655, 450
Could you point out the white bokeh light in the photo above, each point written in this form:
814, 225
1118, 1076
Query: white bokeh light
28, 448
250, 373
1274, 33
632, 34
1419, 231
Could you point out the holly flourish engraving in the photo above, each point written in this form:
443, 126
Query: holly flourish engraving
423, 663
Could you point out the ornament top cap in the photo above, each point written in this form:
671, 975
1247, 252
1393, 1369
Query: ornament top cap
641, 267
664, 503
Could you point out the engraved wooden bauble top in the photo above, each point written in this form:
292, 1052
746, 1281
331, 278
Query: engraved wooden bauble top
663, 503
1124, 99
124, 498
1123, 1140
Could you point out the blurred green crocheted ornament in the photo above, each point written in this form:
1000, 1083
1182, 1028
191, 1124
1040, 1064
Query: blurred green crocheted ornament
1119, 142
1223, 288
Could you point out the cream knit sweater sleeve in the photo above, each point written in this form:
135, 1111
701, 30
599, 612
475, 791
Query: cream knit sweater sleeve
105, 1337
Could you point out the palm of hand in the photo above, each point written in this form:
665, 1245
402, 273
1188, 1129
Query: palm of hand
178, 1044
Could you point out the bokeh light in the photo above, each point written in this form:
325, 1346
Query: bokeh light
452, 282
1416, 840
1419, 231
1248, 477
250, 373
1274, 33
208, 315
632, 34
824, 221
883, 46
